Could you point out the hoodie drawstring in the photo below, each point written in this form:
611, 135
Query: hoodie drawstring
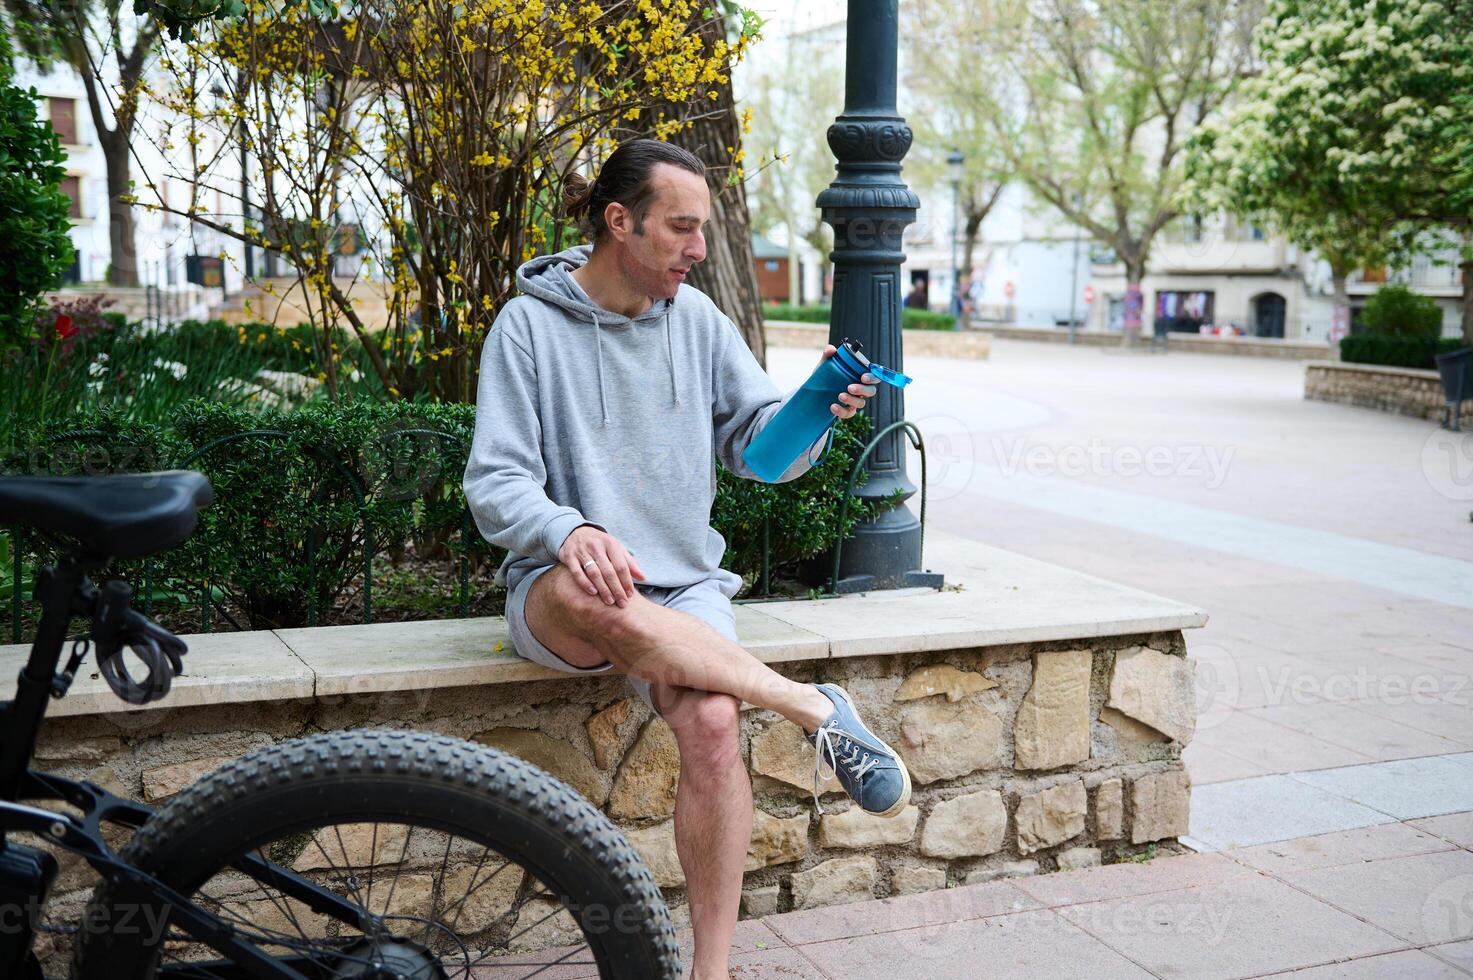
670, 357
599, 346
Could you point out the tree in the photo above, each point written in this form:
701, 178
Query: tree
793, 103
712, 130
109, 48
35, 247
952, 121
1347, 140
441, 133
1090, 101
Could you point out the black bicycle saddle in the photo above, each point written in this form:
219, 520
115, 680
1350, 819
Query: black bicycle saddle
124, 516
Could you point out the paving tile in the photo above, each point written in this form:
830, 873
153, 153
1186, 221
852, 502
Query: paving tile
781, 963
925, 909
1423, 898
1373, 843
1407, 964
1455, 827
1372, 735
1463, 758
1129, 879
1458, 954
1206, 764
1275, 748
1405, 788
1240, 928
1440, 717
1271, 808
1023, 945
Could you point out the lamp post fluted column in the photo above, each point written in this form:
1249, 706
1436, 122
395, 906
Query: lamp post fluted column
869, 208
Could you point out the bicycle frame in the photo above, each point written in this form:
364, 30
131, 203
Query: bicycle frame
26, 873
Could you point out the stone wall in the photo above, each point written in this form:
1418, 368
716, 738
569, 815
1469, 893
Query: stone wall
1194, 343
971, 344
1404, 391
1025, 758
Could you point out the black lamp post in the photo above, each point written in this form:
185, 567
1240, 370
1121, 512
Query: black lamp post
869, 207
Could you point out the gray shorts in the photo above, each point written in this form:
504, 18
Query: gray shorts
709, 600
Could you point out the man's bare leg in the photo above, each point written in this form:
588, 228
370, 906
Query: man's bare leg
713, 817
663, 646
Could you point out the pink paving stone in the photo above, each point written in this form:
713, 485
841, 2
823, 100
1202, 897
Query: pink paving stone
1240, 928
1455, 827
934, 909
1120, 880
1408, 964
1380, 841
1424, 898
1020, 946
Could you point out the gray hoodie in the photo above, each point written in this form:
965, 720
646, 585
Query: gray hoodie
584, 416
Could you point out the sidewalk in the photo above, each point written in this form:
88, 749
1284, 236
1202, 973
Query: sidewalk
1394, 900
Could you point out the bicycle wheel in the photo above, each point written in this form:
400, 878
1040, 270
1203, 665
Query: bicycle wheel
461, 862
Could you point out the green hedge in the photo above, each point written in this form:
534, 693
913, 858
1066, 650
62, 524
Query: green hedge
1396, 350
909, 319
334, 472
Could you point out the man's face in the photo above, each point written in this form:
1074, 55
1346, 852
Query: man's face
659, 255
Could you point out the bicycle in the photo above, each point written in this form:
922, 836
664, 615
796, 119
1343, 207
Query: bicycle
267, 867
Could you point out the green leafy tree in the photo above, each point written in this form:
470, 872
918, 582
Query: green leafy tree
109, 48
1090, 102
1354, 135
34, 245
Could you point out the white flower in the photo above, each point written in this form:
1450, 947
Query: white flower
173, 367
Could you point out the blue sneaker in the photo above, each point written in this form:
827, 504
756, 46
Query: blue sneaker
868, 769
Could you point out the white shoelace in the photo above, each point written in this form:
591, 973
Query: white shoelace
857, 762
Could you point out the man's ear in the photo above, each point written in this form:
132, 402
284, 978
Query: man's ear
618, 220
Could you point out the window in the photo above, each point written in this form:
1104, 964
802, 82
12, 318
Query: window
71, 186
64, 119
1184, 312
1377, 274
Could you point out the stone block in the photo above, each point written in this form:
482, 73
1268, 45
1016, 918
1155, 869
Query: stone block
603, 732
776, 840
967, 826
855, 828
1008, 869
913, 881
557, 756
164, 781
757, 902
1052, 725
656, 845
941, 740
1051, 817
942, 679
1110, 810
783, 754
1128, 731
835, 882
1156, 689
645, 786
1160, 805
1074, 858
354, 845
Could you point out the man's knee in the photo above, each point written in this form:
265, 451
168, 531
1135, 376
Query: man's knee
707, 727
588, 615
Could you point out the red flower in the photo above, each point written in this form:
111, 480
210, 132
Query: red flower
65, 328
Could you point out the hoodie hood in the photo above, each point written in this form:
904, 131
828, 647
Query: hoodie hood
549, 278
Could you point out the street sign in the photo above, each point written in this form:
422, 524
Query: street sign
1007, 289
1089, 294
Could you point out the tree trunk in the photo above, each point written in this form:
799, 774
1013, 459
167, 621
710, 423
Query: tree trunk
1135, 303
123, 269
728, 276
1340, 306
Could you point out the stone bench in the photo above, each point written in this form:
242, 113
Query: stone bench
1042, 713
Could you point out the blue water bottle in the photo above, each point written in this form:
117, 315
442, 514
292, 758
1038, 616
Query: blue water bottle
806, 418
